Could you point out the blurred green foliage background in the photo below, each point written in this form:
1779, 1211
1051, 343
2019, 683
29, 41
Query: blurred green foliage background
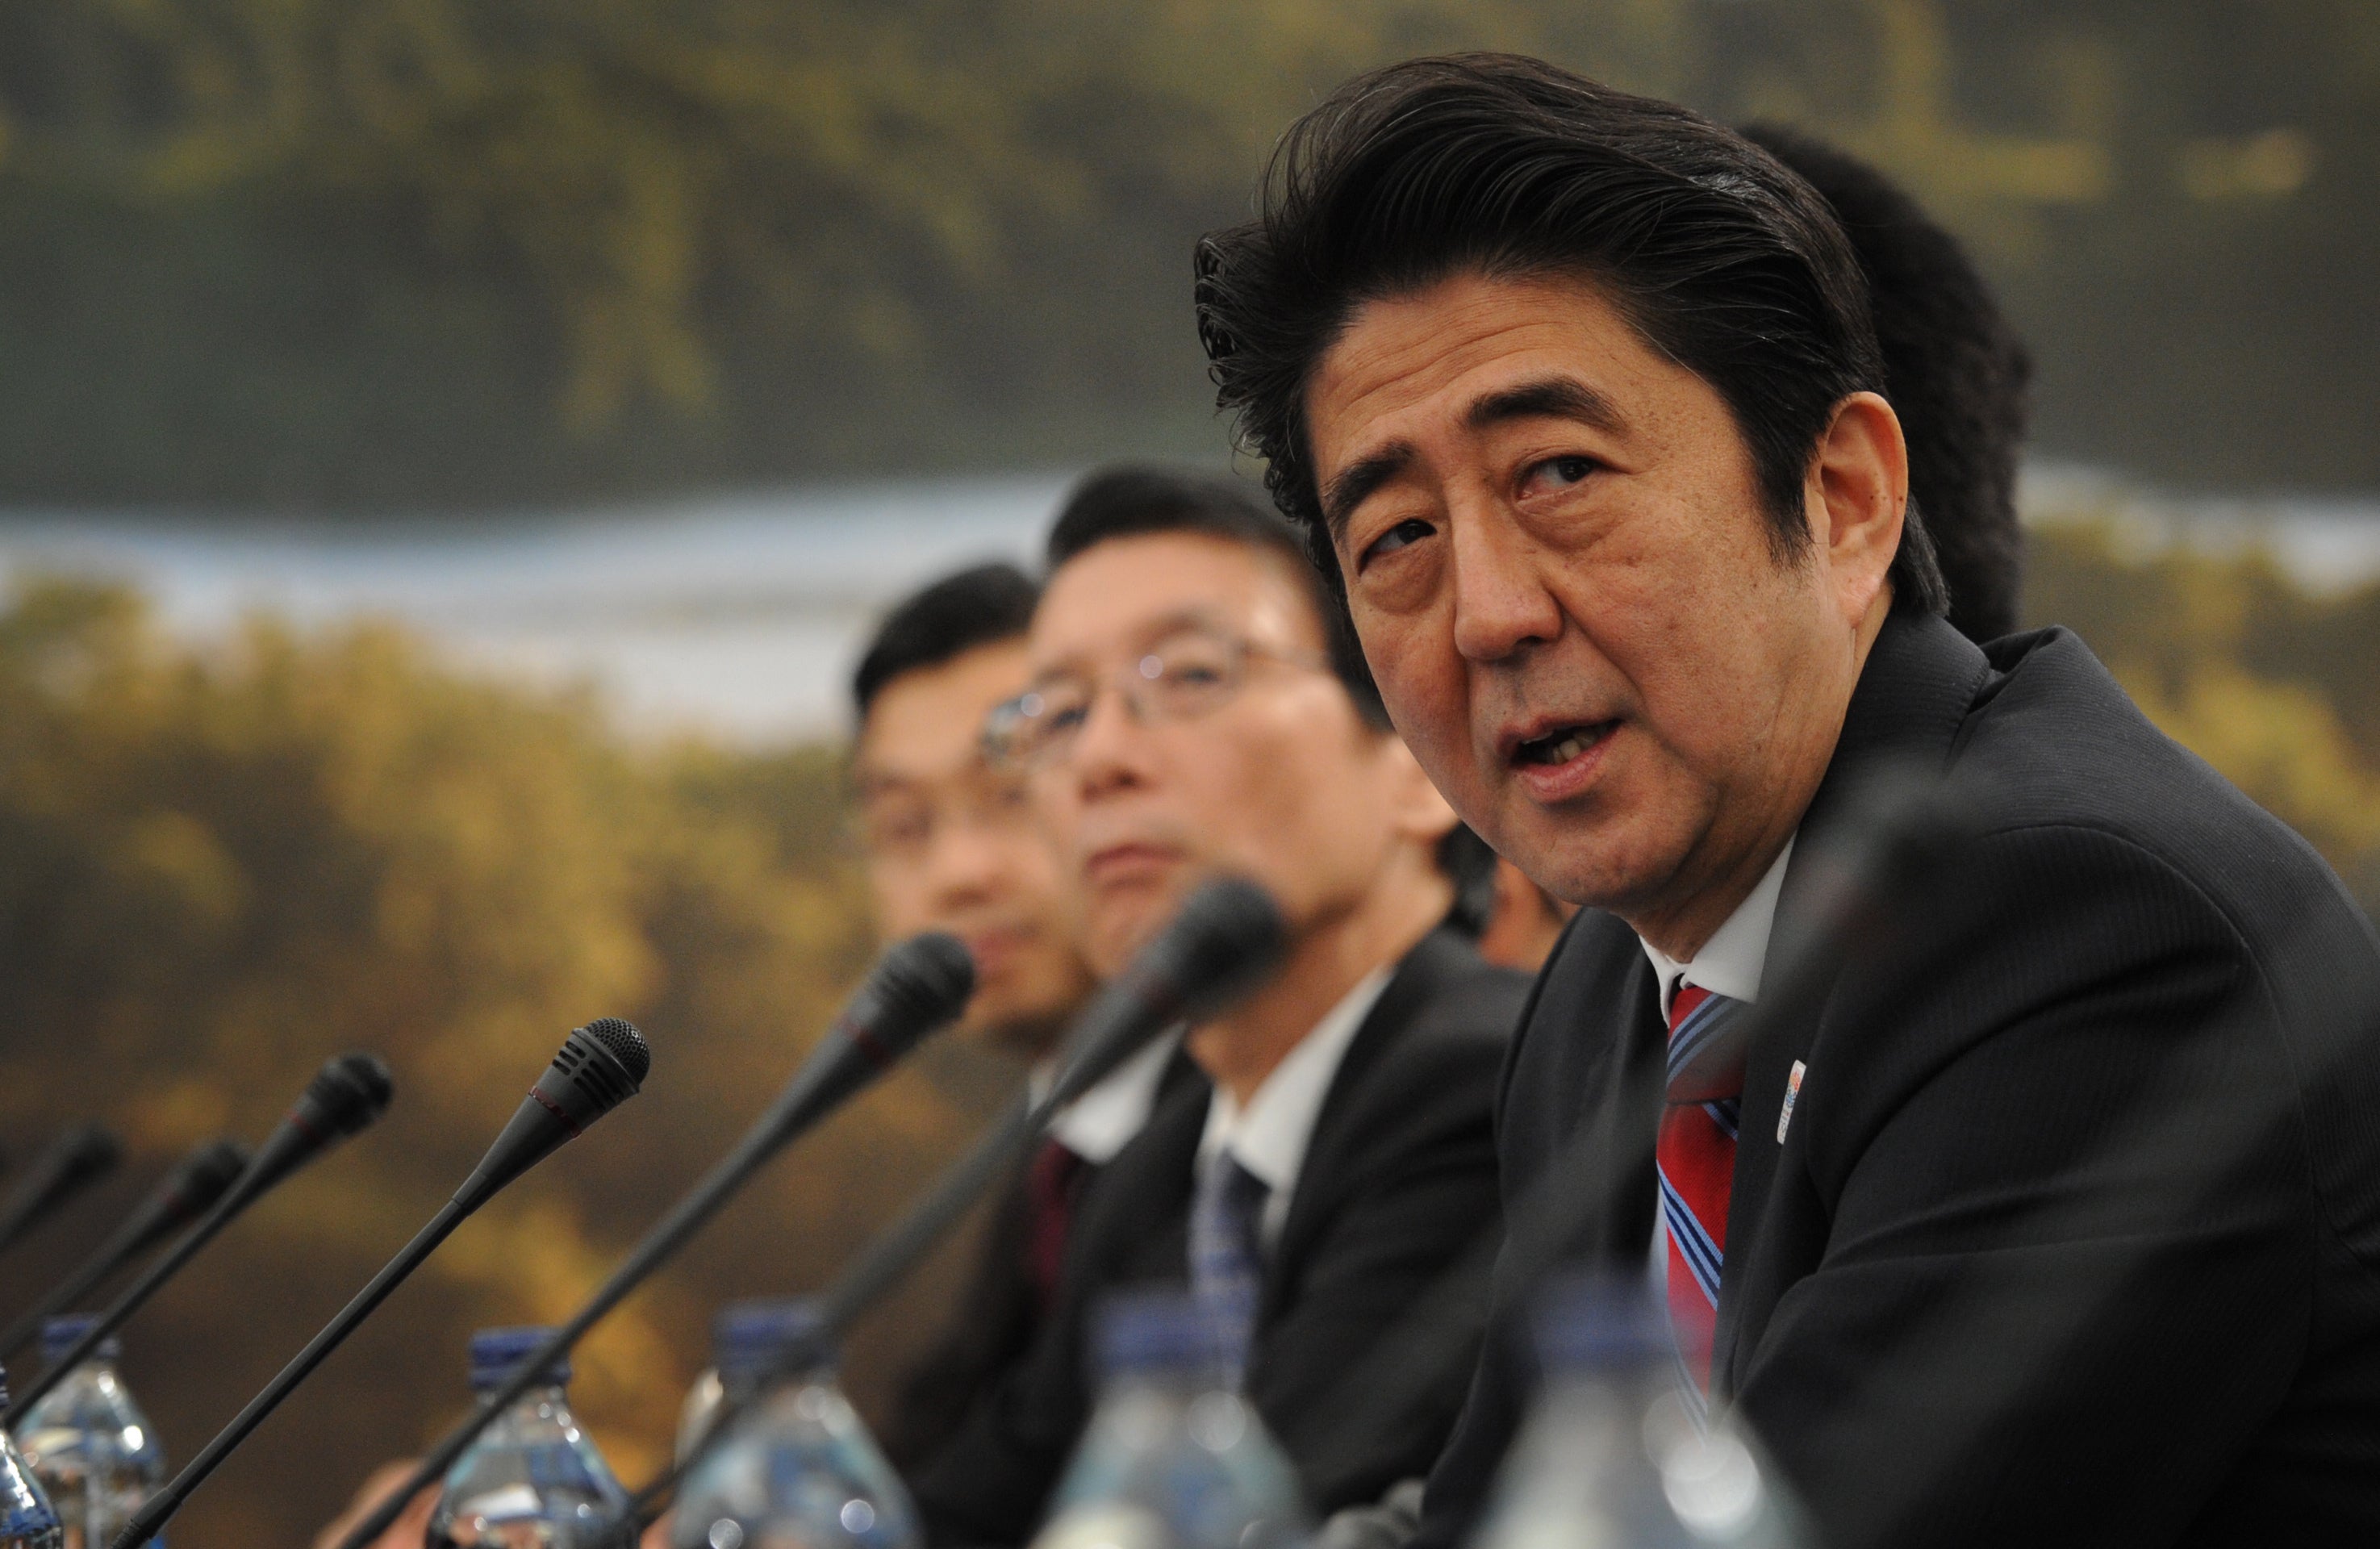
339, 254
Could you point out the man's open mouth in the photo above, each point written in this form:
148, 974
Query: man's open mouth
1562, 744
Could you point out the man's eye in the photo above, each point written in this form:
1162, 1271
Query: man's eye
1412, 529
1560, 473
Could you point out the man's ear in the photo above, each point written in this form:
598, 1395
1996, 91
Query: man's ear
1856, 494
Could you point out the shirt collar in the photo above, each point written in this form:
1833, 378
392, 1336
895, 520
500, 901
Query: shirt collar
1733, 961
1103, 1120
1269, 1136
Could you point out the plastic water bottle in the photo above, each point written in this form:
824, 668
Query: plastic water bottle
26, 1520
88, 1444
795, 1471
1173, 1458
1617, 1452
533, 1480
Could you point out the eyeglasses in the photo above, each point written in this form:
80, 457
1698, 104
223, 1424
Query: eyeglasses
1187, 675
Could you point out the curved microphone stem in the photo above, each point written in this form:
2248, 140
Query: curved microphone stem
66, 1294
163, 1504
804, 1104
133, 1299
884, 1261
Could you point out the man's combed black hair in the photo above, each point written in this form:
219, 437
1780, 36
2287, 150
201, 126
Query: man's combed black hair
1132, 500
979, 606
1954, 367
1721, 258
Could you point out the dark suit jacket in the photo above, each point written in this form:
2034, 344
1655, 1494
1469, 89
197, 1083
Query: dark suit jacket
996, 1316
2076, 1240
1399, 1177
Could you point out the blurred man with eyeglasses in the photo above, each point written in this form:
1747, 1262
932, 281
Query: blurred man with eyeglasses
951, 844
1192, 711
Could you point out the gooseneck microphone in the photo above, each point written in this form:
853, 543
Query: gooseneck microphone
1226, 941
68, 1166
917, 986
599, 1066
180, 1197
345, 1095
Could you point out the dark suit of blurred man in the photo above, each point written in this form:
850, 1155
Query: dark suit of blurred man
1190, 713
2059, 1220
950, 844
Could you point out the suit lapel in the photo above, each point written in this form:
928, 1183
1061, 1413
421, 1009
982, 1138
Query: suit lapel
1920, 680
1417, 981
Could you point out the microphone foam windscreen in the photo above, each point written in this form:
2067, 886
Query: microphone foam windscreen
927, 978
91, 1150
1228, 935
351, 1092
210, 1169
621, 1040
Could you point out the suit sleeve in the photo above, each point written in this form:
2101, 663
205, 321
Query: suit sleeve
1415, 1203
2067, 1245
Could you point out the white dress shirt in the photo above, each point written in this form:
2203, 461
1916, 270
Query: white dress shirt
1731, 963
1103, 1120
1269, 1136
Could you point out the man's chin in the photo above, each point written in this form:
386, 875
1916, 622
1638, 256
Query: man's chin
1596, 865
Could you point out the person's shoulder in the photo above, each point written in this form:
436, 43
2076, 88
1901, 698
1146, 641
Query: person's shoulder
1436, 1038
2059, 756
1459, 998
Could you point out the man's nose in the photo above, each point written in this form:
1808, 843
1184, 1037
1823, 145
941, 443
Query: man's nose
1501, 604
968, 862
1109, 750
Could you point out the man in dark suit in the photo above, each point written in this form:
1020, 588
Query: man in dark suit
950, 844
1193, 712
2058, 1218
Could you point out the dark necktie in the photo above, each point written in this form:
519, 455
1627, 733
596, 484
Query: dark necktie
1051, 1184
1226, 1270
1696, 1156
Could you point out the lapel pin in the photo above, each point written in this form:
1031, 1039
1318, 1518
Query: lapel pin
1792, 1091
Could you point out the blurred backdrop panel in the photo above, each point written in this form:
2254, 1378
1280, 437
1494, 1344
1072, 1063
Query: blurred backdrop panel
448, 449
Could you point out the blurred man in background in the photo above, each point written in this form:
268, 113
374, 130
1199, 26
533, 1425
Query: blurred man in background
1958, 374
951, 844
1955, 368
1193, 712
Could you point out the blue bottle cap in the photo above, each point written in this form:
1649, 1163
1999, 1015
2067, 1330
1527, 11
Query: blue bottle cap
496, 1353
61, 1333
1157, 1331
746, 1335
1590, 1321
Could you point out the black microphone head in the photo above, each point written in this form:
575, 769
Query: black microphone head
87, 1153
71, 1163
1226, 939
917, 985
927, 979
344, 1098
599, 1067
201, 1176
620, 1039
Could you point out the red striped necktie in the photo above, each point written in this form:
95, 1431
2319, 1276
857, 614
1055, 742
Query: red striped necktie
1696, 1156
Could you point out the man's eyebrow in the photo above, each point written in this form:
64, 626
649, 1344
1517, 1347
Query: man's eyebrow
1353, 484
1553, 398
